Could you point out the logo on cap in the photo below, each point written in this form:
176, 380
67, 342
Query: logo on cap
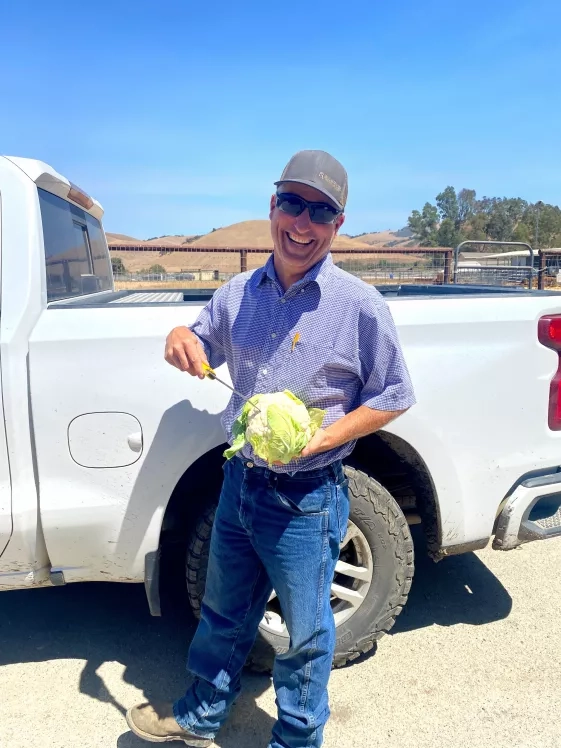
332, 182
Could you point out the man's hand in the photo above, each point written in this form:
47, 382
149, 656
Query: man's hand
356, 424
319, 442
185, 352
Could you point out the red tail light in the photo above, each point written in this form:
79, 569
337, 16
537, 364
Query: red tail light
549, 334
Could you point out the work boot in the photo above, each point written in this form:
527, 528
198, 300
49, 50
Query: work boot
156, 724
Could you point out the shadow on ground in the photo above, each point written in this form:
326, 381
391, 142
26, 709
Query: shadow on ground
100, 622
458, 589
110, 622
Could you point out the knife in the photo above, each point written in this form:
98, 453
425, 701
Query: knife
211, 374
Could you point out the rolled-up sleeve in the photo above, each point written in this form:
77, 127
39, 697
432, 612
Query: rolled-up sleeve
387, 384
210, 325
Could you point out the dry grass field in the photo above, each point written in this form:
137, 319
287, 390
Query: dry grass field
229, 262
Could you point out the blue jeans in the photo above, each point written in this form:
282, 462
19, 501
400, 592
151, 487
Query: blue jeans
271, 530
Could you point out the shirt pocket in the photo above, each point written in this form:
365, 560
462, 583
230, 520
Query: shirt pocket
324, 373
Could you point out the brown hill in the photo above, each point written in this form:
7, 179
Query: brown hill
383, 239
246, 234
121, 239
346, 242
160, 241
175, 262
168, 241
257, 234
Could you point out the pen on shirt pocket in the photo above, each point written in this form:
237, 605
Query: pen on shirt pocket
295, 339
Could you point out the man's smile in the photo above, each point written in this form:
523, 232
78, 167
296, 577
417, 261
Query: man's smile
297, 239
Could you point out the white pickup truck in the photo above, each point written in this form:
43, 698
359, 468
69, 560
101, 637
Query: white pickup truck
110, 458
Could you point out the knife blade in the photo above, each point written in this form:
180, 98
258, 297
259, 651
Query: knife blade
211, 374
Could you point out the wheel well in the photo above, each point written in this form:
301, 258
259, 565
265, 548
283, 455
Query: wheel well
199, 485
386, 457
400, 469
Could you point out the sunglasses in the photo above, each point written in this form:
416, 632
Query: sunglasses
294, 205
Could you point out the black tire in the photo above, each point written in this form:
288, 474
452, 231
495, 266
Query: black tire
382, 526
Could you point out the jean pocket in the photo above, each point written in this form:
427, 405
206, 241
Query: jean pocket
303, 496
342, 503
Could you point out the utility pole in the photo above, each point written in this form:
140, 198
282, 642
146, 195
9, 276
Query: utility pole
541, 270
539, 206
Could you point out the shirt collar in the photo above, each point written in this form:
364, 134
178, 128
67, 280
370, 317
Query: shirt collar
318, 273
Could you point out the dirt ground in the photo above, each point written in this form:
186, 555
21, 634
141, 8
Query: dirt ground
472, 662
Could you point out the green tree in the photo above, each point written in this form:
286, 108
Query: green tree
157, 269
447, 203
515, 207
447, 234
460, 215
455, 210
466, 207
500, 223
549, 225
475, 227
117, 265
424, 225
443, 225
523, 233
502, 215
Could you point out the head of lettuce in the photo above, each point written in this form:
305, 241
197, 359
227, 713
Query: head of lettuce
278, 429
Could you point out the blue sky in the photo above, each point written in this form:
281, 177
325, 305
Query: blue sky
179, 116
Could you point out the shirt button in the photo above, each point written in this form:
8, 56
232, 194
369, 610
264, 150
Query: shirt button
302, 290
249, 464
264, 371
273, 334
283, 301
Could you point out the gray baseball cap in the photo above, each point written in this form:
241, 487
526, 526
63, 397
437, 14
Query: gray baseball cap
320, 170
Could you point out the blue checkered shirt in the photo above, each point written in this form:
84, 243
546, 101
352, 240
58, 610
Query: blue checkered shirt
347, 354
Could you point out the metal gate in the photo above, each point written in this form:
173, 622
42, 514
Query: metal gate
501, 272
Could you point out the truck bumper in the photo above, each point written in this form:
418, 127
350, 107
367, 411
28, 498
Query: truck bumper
532, 512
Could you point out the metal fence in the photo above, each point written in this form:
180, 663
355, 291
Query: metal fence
494, 263
490, 264
549, 270
408, 265
497, 275
377, 265
195, 275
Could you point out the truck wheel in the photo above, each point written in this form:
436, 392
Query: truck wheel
365, 604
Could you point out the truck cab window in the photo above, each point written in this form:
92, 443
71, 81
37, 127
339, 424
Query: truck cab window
76, 256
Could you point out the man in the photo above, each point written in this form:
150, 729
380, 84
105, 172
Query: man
302, 324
